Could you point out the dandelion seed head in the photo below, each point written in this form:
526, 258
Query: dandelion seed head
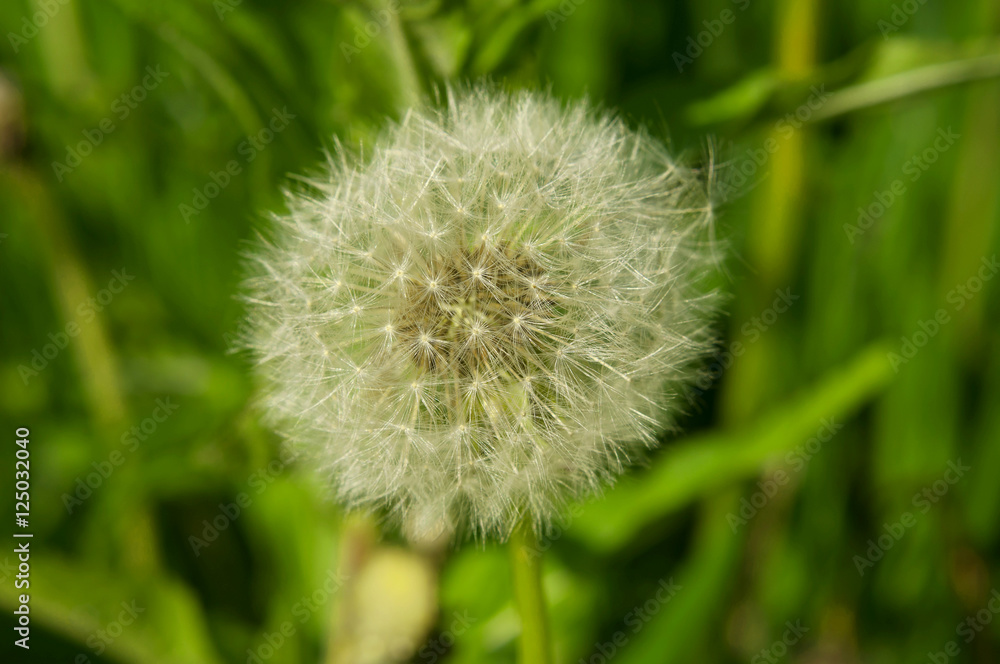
465, 363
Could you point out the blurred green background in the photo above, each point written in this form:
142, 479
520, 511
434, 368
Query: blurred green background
835, 494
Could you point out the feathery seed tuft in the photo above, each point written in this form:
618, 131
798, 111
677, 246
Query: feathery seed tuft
491, 314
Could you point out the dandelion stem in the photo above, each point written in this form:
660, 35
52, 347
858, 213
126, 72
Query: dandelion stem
526, 567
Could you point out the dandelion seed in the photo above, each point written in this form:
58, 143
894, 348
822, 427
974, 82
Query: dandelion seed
538, 332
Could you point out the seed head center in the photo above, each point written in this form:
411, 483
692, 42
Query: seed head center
470, 315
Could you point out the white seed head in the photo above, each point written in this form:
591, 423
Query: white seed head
489, 315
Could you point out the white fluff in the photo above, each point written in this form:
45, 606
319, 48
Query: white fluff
489, 314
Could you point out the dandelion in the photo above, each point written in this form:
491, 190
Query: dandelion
492, 312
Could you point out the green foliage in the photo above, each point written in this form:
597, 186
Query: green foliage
166, 181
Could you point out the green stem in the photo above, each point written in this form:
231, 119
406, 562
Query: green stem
407, 77
907, 84
526, 565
